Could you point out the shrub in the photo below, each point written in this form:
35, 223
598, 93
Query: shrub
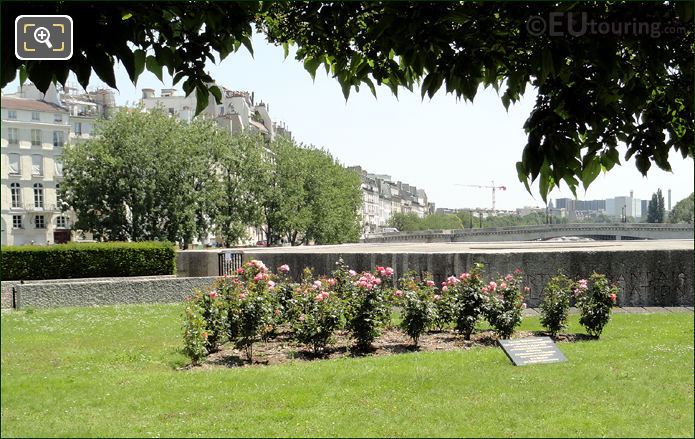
194, 332
595, 299
215, 317
78, 260
504, 303
467, 298
250, 306
318, 316
419, 311
366, 310
555, 304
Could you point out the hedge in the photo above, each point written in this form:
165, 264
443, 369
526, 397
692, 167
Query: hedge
73, 260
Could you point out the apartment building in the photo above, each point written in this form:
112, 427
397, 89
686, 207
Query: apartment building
237, 113
382, 198
34, 133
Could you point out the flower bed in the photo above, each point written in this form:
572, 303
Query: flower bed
351, 312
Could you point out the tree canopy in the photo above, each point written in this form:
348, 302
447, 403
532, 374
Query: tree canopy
595, 89
656, 213
683, 211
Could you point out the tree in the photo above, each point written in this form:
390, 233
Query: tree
656, 212
147, 176
683, 211
308, 196
594, 89
405, 222
441, 221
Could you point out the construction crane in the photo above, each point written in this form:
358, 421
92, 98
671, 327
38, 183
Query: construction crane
493, 187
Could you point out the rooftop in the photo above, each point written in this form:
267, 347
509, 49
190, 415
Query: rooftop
31, 105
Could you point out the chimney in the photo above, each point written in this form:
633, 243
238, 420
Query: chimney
631, 193
166, 92
669, 200
147, 93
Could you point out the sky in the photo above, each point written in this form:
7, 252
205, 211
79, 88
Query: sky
433, 144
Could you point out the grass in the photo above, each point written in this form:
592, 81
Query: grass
110, 371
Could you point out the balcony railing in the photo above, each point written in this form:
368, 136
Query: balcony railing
31, 207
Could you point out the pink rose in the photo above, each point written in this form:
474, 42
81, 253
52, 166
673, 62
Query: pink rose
464, 276
613, 297
331, 282
445, 289
377, 281
284, 268
583, 284
213, 295
389, 271
492, 286
527, 289
398, 293
523, 306
352, 273
239, 271
242, 296
319, 297
503, 285
379, 268
258, 277
517, 271
509, 278
485, 290
317, 284
429, 283
436, 297
271, 284
301, 318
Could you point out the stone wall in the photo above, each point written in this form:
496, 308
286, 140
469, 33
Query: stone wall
646, 278
106, 291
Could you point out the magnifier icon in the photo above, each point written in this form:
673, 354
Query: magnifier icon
42, 36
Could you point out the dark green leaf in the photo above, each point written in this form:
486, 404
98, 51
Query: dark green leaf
154, 66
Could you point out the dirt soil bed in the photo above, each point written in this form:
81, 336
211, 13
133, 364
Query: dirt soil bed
282, 349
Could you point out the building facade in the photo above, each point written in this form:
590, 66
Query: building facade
34, 134
36, 127
382, 198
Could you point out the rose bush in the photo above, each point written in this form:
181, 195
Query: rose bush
555, 303
366, 310
467, 298
318, 315
417, 300
504, 303
595, 300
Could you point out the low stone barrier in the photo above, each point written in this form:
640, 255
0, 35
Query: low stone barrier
106, 291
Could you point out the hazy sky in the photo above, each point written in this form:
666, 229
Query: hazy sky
432, 144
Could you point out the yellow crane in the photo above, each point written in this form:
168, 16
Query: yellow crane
493, 187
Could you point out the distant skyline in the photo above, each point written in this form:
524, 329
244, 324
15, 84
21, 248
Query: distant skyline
432, 144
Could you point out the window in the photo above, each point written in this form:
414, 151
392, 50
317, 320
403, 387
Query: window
221, 109
38, 195
16, 195
36, 164
39, 222
58, 139
12, 136
57, 118
14, 168
78, 128
62, 222
58, 201
36, 138
35, 115
11, 114
16, 221
172, 111
59, 167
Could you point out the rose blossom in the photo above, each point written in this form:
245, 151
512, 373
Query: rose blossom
509, 278
485, 289
389, 271
213, 294
258, 277
613, 297
436, 297
239, 270
352, 273
398, 293
317, 284
523, 305
331, 282
429, 283
445, 289
503, 285
377, 281
464, 276
271, 284
242, 296
319, 297
284, 268
582, 284
492, 286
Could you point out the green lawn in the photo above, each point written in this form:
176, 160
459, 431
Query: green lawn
111, 372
